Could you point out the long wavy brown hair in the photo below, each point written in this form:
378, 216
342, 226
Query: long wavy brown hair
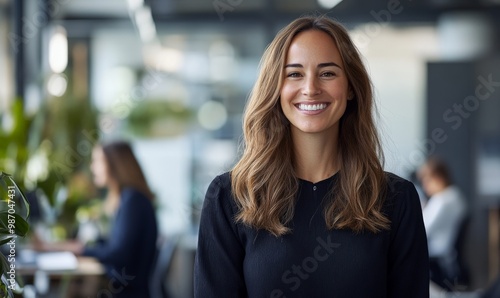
264, 183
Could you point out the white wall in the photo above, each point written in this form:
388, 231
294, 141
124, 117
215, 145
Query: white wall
396, 60
166, 164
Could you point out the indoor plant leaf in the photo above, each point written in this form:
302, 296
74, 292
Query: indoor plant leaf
15, 223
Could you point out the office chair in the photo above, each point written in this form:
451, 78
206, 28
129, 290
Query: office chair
163, 260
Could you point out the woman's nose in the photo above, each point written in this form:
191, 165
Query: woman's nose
311, 87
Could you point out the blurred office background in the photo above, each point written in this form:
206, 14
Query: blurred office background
173, 76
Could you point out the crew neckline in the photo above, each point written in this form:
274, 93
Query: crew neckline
319, 182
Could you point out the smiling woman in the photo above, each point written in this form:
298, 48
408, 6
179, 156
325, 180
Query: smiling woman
308, 210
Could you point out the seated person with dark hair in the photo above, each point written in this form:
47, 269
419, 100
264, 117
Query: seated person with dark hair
128, 253
444, 214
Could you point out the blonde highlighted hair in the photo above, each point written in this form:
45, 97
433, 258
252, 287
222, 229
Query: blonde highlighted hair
264, 183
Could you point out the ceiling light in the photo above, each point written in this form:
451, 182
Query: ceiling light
58, 50
145, 24
328, 4
135, 4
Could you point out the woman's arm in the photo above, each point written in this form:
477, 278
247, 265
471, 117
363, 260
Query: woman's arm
220, 254
408, 268
74, 246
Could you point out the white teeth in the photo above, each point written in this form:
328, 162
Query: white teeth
315, 107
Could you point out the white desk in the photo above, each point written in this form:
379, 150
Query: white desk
84, 276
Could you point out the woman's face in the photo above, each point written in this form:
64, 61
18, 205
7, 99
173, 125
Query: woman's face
431, 184
315, 89
99, 167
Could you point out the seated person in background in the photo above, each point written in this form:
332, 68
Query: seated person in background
128, 253
443, 215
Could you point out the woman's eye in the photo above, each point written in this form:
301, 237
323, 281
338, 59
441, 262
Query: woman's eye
328, 74
293, 75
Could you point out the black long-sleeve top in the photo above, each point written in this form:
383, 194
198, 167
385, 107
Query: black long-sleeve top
235, 260
128, 253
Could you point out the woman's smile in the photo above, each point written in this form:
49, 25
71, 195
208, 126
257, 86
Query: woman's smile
312, 108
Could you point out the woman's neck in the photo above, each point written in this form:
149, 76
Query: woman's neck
316, 156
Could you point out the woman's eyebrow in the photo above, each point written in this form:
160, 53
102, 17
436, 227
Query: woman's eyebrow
321, 65
294, 65
328, 64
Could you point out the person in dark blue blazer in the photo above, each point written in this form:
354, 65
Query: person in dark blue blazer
128, 252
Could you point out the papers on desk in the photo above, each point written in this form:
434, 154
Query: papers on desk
63, 260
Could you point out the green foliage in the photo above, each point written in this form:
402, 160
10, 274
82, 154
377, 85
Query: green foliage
47, 150
14, 151
14, 213
159, 118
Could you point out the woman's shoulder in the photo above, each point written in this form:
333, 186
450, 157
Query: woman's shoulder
398, 185
220, 187
219, 194
131, 191
131, 195
400, 193
222, 181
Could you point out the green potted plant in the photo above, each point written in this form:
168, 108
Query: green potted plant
14, 212
47, 154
